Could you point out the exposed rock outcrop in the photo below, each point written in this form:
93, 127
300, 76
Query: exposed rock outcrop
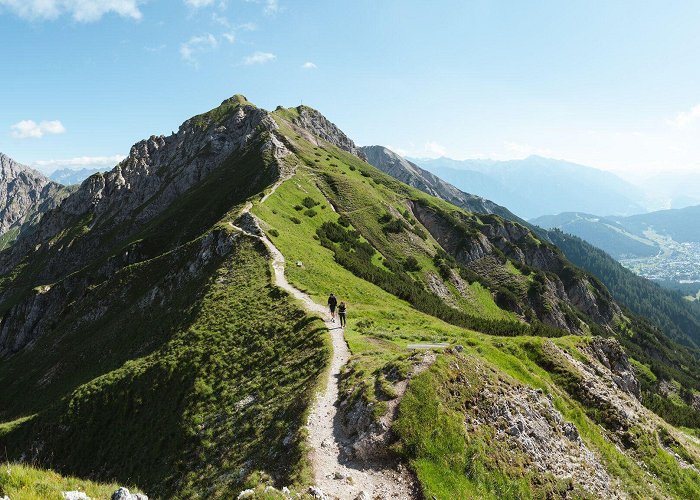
110, 208
124, 494
25, 194
609, 352
314, 122
408, 172
480, 243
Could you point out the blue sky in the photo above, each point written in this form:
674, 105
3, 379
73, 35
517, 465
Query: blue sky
615, 85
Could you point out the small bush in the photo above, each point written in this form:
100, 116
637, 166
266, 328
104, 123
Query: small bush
309, 202
273, 232
298, 208
344, 221
352, 168
385, 218
295, 220
394, 226
411, 264
310, 212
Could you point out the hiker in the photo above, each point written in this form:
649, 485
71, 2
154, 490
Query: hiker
341, 314
332, 303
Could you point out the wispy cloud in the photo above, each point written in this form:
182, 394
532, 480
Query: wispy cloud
196, 45
435, 149
309, 65
430, 149
685, 118
31, 129
247, 27
81, 10
259, 58
80, 161
198, 3
270, 7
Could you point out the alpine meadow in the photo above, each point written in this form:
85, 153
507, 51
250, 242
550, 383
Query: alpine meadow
258, 306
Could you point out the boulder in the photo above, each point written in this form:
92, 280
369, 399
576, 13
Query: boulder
124, 494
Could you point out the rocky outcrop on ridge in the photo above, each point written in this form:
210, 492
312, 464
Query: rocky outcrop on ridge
109, 208
408, 172
24, 194
315, 123
480, 242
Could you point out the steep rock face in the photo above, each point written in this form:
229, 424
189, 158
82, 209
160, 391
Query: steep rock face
479, 242
613, 357
24, 193
314, 122
110, 208
408, 172
156, 172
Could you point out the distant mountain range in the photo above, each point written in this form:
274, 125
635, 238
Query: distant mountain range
635, 236
537, 186
406, 171
68, 176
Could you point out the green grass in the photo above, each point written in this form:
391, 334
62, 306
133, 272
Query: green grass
210, 386
246, 338
164, 376
22, 482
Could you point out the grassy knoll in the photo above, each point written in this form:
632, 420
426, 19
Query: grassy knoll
206, 409
23, 482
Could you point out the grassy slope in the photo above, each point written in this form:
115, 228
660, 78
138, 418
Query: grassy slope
450, 463
22, 482
155, 392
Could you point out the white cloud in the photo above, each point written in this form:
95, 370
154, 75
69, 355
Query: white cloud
80, 161
197, 44
199, 3
685, 118
270, 7
219, 19
81, 10
247, 27
309, 65
435, 149
259, 58
230, 37
30, 128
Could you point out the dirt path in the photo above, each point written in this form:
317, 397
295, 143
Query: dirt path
334, 475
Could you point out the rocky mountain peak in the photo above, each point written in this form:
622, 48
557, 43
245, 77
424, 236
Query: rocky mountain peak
314, 122
239, 99
23, 193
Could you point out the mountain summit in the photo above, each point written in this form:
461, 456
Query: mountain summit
24, 195
165, 326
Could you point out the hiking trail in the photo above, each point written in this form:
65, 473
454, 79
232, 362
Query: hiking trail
335, 475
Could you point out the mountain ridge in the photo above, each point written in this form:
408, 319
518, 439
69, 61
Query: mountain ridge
25, 195
537, 186
156, 330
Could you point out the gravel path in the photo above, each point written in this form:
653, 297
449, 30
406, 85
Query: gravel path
335, 476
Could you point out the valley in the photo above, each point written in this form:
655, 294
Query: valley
676, 262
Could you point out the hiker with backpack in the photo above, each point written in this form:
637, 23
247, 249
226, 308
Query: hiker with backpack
332, 304
341, 314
